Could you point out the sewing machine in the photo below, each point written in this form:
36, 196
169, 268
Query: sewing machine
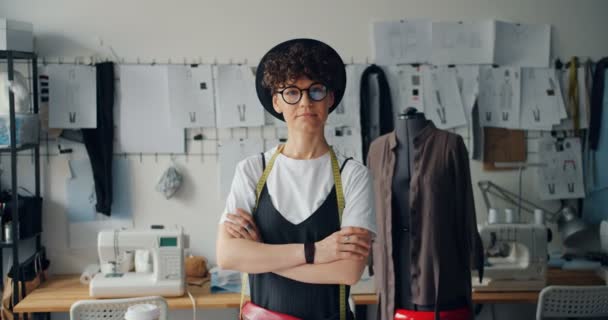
515, 256
164, 276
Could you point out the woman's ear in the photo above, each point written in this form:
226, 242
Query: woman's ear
275, 103
330, 99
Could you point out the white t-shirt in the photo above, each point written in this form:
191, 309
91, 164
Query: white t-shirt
297, 188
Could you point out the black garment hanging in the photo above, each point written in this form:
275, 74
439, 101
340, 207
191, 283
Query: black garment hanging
276, 293
99, 141
597, 96
386, 107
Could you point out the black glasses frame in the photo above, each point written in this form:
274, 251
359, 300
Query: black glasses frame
302, 93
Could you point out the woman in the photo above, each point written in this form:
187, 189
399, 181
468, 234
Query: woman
283, 222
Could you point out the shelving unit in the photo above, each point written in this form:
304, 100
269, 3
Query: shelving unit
10, 58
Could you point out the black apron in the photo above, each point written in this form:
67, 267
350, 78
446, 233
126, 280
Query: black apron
276, 293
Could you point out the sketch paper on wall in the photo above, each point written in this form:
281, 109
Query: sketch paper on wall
467, 78
143, 112
542, 104
562, 177
522, 45
442, 101
403, 41
191, 96
407, 89
237, 101
499, 97
345, 141
72, 96
348, 112
463, 42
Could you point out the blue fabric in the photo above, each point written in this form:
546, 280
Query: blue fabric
601, 155
595, 208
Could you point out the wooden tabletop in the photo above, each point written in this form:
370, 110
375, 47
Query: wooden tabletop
60, 292
554, 277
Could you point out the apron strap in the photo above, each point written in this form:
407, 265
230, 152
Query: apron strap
340, 197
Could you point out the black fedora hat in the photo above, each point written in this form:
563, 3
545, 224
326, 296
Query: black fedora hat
332, 60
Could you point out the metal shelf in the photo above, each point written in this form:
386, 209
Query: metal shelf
27, 146
6, 244
11, 244
10, 57
18, 55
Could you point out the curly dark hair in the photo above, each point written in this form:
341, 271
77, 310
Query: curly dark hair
297, 61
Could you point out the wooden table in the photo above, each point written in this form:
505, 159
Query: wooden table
60, 292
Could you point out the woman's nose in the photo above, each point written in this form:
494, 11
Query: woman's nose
305, 100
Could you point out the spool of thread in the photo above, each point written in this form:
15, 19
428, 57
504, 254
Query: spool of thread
539, 216
88, 273
509, 216
143, 261
8, 232
493, 216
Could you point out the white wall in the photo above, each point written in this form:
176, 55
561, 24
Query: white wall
238, 31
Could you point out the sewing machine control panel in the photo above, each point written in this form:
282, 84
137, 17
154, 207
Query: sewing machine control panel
171, 264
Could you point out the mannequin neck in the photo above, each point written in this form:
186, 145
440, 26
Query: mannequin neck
408, 128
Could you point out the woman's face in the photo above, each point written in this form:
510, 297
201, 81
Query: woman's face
307, 115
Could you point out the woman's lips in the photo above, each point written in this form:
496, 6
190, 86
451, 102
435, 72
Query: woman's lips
307, 115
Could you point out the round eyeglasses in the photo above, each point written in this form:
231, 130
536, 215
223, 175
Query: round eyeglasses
292, 94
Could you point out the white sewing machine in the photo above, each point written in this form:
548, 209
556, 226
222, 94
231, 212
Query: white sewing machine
164, 276
516, 257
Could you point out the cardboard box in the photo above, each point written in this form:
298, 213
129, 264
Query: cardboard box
16, 35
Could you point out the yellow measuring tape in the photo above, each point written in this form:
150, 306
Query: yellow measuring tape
339, 194
573, 94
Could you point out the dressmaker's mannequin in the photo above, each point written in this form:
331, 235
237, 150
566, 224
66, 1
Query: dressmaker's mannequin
407, 127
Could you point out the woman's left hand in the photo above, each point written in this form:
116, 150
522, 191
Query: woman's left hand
241, 225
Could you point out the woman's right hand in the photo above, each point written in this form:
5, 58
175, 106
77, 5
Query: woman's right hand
349, 243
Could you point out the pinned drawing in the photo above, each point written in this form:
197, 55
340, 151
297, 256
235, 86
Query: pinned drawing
561, 176
442, 101
499, 97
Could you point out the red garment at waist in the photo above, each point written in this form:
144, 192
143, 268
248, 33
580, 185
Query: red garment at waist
456, 314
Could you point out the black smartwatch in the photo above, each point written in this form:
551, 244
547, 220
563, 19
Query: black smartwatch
309, 252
